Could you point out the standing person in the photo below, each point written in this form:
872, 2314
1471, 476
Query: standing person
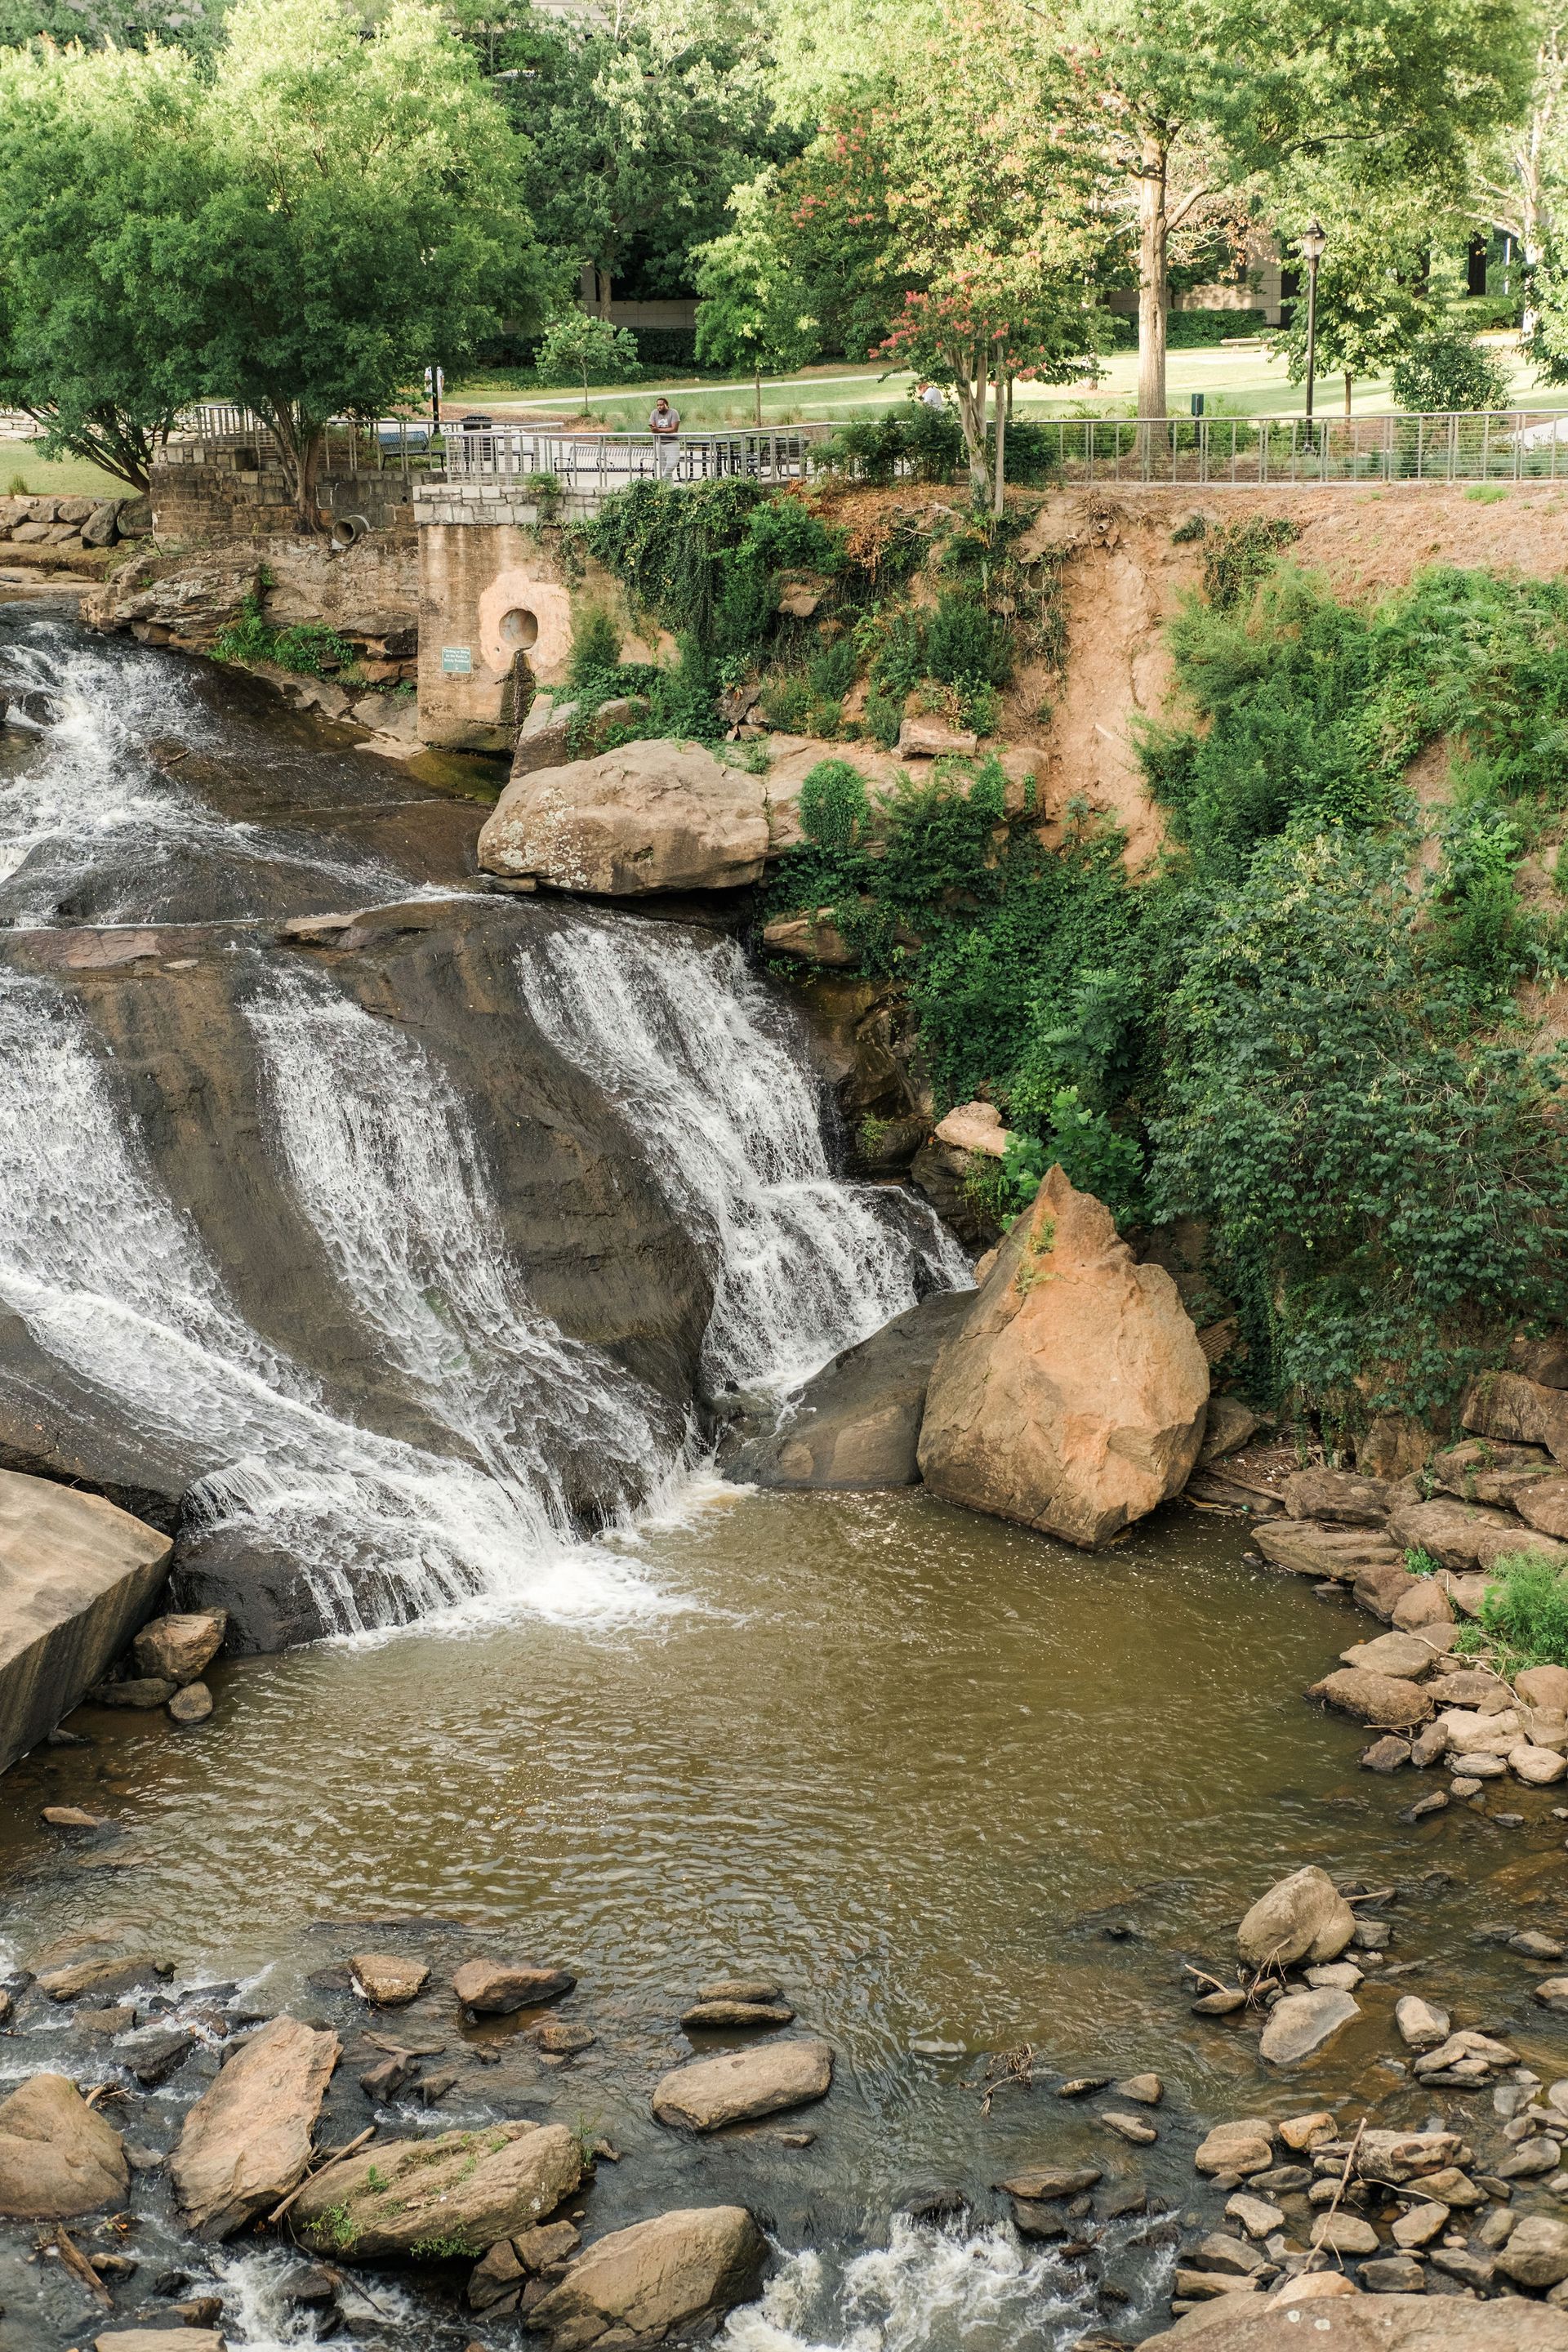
931, 396
664, 423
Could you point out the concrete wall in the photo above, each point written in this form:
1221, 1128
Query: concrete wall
233, 502
494, 595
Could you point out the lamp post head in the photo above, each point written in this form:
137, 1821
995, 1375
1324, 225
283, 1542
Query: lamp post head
1313, 242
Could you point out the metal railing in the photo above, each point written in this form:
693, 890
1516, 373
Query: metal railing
595, 463
220, 432
1511, 445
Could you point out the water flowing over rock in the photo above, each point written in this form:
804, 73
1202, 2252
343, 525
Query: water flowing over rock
247, 2141
712, 1078
650, 817
856, 1424
76, 1576
672, 2273
461, 2192
58, 2155
1073, 1398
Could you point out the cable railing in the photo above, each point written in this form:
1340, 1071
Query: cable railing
597, 463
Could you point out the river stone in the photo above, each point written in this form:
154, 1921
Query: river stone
1302, 2023
1425, 1603
1254, 2214
1073, 1396
1045, 2182
387, 1978
497, 1987
856, 1424
1389, 1754
1406, 1656
77, 1576
1532, 2160
1421, 2026
1136, 2128
673, 2273
1220, 2252
747, 1988
1536, 1947
1303, 1916
247, 2141
1551, 1993
1336, 1555
180, 1647
1420, 2225
461, 2191
1386, 1702
78, 1979
743, 2082
1147, 2089
716, 2016
1342, 1497
136, 1690
1536, 2254
1395, 2274
1336, 1976
1345, 2233
648, 817
159, 2339
72, 1817
1543, 1686
1538, 1766
58, 2157
1475, 1734
1302, 2133
155, 2051
1242, 2147
193, 1703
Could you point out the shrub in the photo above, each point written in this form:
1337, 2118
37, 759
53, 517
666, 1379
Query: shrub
835, 813
595, 650
1524, 1611
964, 642
307, 648
885, 716
1448, 370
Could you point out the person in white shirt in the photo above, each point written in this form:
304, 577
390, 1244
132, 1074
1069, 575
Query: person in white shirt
664, 423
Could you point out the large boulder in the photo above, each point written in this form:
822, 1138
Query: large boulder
456, 2194
678, 2271
744, 2083
1465, 1535
76, 1577
1343, 1497
1302, 1917
650, 817
1387, 1701
58, 2157
1074, 1396
856, 1424
1519, 1409
247, 2141
1366, 2322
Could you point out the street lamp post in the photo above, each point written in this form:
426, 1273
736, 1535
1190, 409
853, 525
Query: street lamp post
1313, 243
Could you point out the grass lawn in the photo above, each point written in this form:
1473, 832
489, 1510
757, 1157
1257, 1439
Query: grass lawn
1237, 382
23, 471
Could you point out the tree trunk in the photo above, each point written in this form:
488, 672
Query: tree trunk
1153, 271
1347, 392
302, 447
606, 279
971, 391
759, 382
999, 483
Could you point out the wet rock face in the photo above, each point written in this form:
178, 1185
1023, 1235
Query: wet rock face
457, 2194
171, 1038
856, 1424
655, 2279
58, 2157
247, 2141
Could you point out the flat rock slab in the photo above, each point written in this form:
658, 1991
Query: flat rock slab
159, 2339
76, 1577
1336, 1554
247, 2141
1302, 2023
1387, 1701
501, 1988
58, 2157
718, 2016
1369, 2323
1045, 2182
387, 1980
673, 2273
657, 816
1406, 1656
462, 2190
742, 2084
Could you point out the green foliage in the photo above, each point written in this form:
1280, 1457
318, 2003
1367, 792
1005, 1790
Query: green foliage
306, 647
928, 441
595, 649
706, 559
964, 642
835, 813
1385, 1195
1524, 1611
1449, 370
579, 343
1420, 1563
1239, 554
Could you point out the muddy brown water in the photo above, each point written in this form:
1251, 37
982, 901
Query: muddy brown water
960, 1788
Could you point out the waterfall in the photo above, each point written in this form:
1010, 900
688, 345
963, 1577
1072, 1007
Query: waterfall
88, 803
117, 1285
711, 1074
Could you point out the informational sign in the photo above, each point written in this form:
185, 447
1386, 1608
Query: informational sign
458, 661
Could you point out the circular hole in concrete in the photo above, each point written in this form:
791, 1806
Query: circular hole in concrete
519, 629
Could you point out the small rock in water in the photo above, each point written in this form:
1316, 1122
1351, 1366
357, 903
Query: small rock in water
1420, 2225
1336, 1976
73, 1817
717, 2016
747, 1988
1385, 1755
1465, 1784
1147, 2089
559, 2037
497, 1987
1536, 2254
1219, 2252
1437, 1802
384, 2082
1045, 2182
1394, 2274
1254, 2214
1242, 2147
1535, 1946
1300, 2133
1421, 2027
194, 1703
1224, 2003
177, 1648
797, 2139
1135, 2128
1302, 2023
387, 1980
155, 1690
1078, 2085
1345, 2233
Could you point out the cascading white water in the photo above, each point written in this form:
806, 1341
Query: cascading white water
116, 1284
715, 1085
92, 795
382, 1160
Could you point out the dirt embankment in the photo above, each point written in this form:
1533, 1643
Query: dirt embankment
1124, 579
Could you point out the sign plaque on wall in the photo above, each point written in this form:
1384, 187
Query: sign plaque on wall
458, 661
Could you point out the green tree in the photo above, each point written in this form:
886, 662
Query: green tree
356, 216
91, 152
579, 342
751, 312
1449, 370
1376, 299
1187, 99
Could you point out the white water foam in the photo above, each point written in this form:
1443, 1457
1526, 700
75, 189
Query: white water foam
713, 1080
260, 2316
928, 2290
116, 1284
92, 793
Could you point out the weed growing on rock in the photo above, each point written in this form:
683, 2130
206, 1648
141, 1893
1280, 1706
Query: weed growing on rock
1524, 1612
